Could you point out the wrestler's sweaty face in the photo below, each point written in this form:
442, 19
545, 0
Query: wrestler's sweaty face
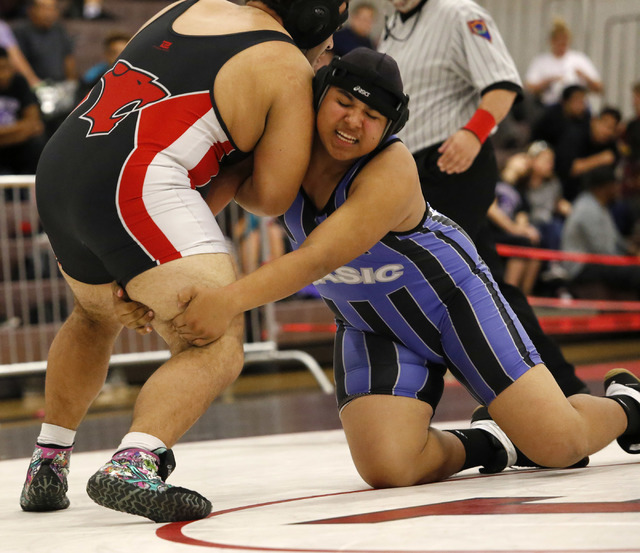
347, 127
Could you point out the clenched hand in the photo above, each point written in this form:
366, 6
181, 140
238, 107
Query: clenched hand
206, 314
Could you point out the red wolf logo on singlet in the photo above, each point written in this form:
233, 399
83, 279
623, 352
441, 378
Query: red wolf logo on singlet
125, 90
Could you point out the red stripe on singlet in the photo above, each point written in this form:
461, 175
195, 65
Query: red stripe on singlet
209, 165
158, 128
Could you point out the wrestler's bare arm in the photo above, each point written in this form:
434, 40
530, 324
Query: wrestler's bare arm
372, 209
281, 155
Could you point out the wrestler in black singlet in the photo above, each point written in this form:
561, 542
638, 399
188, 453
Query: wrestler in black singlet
117, 184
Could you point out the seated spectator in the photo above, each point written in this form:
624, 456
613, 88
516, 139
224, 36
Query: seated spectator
510, 224
590, 228
49, 49
551, 72
112, 46
10, 44
358, 30
542, 193
547, 208
556, 119
21, 128
585, 149
46, 43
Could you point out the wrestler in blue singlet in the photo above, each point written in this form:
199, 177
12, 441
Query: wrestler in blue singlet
413, 305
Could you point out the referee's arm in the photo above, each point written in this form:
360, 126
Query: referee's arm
462, 147
498, 99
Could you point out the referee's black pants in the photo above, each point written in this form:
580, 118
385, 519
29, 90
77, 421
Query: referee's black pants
465, 198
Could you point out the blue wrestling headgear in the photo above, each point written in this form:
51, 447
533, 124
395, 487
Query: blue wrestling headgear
372, 78
310, 22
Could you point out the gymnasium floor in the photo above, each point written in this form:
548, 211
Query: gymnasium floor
277, 469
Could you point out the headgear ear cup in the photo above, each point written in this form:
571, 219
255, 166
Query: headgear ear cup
320, 85
311, 22
403, 117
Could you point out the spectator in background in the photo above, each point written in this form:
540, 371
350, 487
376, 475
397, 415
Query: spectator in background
49, 49
21, 127
590, 228
113, 44
551, 72
556, 119
16, 57
510, 224
46, 43
542, 194
547, 208
358, 31
585, 149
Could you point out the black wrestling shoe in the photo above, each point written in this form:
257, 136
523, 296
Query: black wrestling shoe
505, 452
624, 387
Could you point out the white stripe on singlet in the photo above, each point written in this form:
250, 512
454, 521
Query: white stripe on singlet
170, 218
445, 66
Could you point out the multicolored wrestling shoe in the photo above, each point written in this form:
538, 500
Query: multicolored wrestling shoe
134, 482
45, 488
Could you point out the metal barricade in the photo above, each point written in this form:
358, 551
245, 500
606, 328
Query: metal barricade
35, 300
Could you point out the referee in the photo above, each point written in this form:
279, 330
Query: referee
462, 83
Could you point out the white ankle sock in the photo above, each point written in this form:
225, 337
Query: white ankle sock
51, 434
141, 441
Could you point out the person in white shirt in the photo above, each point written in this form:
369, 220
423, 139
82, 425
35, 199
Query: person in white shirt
551, 72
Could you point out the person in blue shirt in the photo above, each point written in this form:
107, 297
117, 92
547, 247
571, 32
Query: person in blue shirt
358, 32
112, 46
412, 298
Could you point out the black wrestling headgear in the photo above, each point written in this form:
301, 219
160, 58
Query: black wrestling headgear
371, 77
309, 22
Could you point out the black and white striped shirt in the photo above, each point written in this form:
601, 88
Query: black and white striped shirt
449, 53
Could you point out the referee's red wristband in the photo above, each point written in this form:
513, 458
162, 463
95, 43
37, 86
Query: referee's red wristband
481, 124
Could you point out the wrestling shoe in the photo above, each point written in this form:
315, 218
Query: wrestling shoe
133, 482
505, 452
482, 419
45, 488
624, 387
